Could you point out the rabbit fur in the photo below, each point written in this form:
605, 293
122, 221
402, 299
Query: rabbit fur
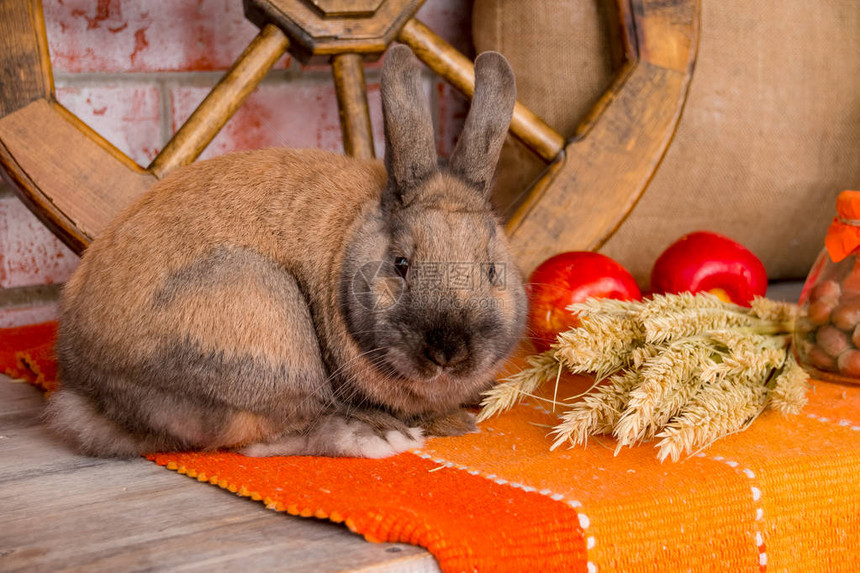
280, 302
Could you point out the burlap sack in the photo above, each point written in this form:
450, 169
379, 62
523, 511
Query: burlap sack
540, 40
770, 134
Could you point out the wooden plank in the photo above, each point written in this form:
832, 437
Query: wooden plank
667, 33
354, 8
459, 71
19, 460
68, 175
25, 67
222, 102
593, 115
19, 407
63, 512
519, 207
351, 92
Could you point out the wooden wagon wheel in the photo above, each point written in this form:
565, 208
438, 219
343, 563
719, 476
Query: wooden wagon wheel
76, 182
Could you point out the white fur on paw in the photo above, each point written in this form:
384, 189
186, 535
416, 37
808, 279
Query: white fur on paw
372, 447
401, 442
357, 439
288, 446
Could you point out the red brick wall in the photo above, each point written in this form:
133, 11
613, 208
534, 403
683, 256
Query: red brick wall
134, 70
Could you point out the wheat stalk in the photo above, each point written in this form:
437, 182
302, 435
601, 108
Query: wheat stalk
788, 394
598, 411
780, 312
684, 369
667, 381
687, 323
716, 411
504, 396
601, 344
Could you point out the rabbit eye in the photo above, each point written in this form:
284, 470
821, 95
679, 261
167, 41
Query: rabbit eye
401, 265
491, 272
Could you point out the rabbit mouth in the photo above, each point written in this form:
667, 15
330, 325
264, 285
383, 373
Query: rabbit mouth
421, 368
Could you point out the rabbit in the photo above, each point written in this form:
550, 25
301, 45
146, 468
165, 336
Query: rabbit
294, 302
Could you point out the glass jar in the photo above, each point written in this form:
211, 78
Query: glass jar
827, 332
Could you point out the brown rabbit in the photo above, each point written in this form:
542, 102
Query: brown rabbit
284, 302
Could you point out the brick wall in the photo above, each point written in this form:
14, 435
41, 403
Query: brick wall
134, 70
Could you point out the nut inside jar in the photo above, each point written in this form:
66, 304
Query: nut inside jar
827, 334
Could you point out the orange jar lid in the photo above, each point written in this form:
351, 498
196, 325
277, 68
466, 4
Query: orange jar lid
843, 236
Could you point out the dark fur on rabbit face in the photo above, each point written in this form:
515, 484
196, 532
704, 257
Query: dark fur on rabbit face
431, 284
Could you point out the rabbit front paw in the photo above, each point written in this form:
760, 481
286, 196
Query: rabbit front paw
456, 423
357, 438
369, 435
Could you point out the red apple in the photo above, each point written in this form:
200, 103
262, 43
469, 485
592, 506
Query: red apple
705, 261
568, 278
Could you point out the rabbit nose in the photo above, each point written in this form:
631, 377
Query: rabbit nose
447, 356
446, 349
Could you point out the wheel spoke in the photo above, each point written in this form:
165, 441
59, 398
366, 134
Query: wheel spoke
222, 102
352, 104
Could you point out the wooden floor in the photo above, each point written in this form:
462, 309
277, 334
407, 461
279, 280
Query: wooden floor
63, 512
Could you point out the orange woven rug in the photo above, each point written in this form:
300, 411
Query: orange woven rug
783, 495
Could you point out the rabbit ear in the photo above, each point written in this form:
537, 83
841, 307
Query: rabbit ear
410, 146
477, 152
